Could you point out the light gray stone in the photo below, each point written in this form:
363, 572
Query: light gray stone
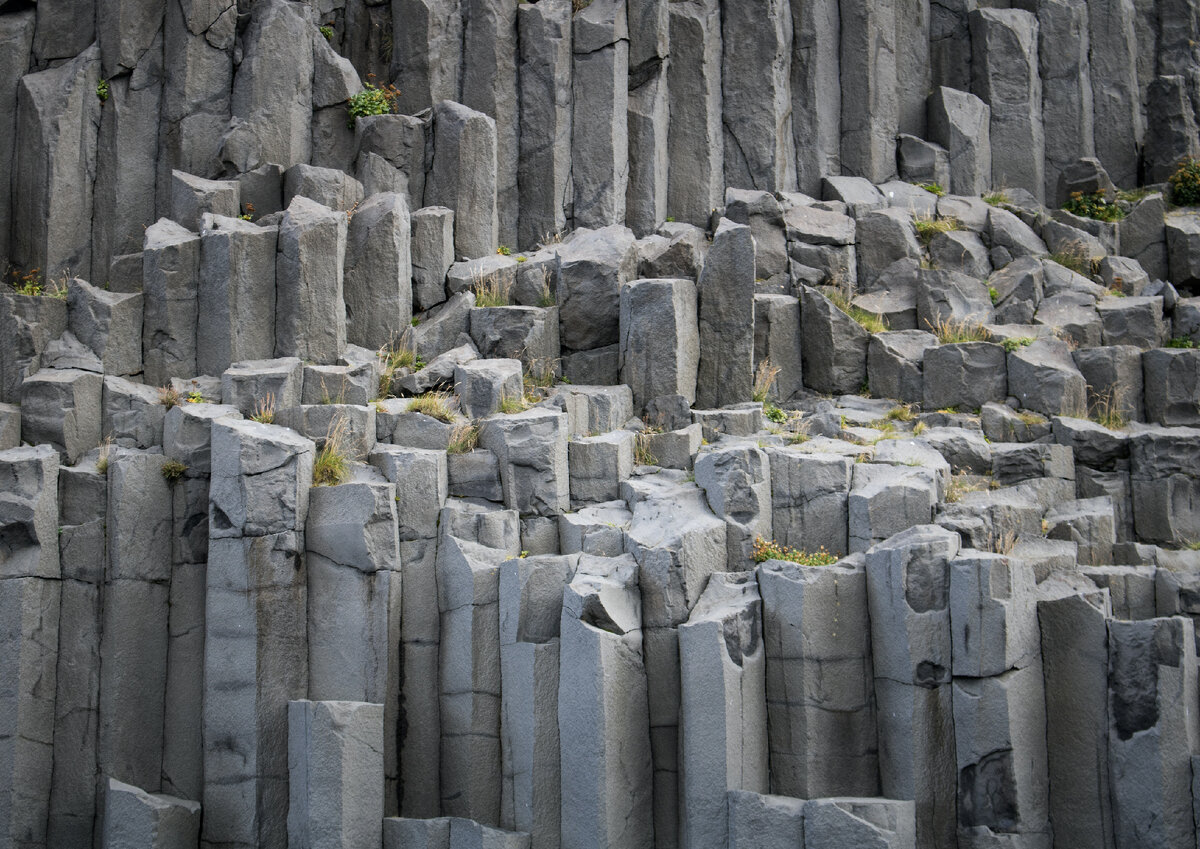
961, 123
737, 483
378, 272
660, 341
726, 309
1172, 376
310, 311
133, 818
62, 408
870, 109
532, 450
463, 176
236, 304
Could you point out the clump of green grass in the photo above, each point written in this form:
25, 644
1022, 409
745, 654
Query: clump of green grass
264, 409
1030, 418
1016, 342
933, 188
1180, 342
331, 465
327, 31
765, 550
949, 332
463, 439
774, 414
1192, 544
927, 227
433, 404
994, 295
399, 355
764, 379
1133, 196
173, 470
511, 404
872, 323
1073, 256
996, 197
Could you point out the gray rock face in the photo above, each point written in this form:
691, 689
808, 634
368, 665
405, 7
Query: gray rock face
599, 142
777, 342
1170, 127
543, 173
463, 176
1044, 378
170, 275
961, 123
737, 483
236, 304
532, 450
133, 817
696, 180
1172, 377
895, 364
966, 373
757, 97
310, 313
726, 295
870, 111
834, 345
62, 408
378, 272
1115, 89
595, 265
660, 342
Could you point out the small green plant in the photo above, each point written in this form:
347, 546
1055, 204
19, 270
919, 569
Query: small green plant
433, 404
522, 258
919, 428
169, 396
1016, 342
513, 404
327, 31
372, 100
996, 197
264, 410
173, 470
1180, 342
927, 227
463, 439
1133, 196
1192, 544
399, 355
773, 414
331, 465
247, 212
32, 283
933, 188
1094, 205
414, 321
764, 550
504, 250
994, 294
949, 332
872, 323
764, 379
1185, 182
195, 397
103, 92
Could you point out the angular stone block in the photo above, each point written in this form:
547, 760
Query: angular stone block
660, 341
192, 197
725, 292
737, 483
62, 408
696, 178
809, 495
834, 346
885, 500
464, 176
1172, 378
598, 464
170, 282
133, 818
482, 385
310, 311
599, 134
961, 123
432, 251
777, 341
965, 374
236, 302
275, 383
378, 272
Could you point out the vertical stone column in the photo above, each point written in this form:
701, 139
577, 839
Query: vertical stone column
310, 309
1004, 74
1065, 69
544, 170
531, 594
723, 719
378, 272
29, 607
463, 176
489, 84
235, 307
602, 710
427, 52
649, 114
16, 41
133, 645
1116, 96
726, 314
256, 640
696, 141
870, 110
660, 346
816, 628
599, 132
816, 92
170, 288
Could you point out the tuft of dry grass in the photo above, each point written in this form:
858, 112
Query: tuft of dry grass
173, 470
264, 409
642, 454
870, 322
961, 485
463, 439
490, 292
949, 332
433, 404
927, 227
764, 379
1107, 412
901, 413
400, 354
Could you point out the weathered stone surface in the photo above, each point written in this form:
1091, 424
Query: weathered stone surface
961, 123
1170, 126
532, 450
432, 254
726, 309
170, 279
1172, 386
62, 408
808, 499
29, 322
737, 483
596, 264
696, 179
1043, 377
378, 272
310, 312
895, 364
834, 345
598, 464
1115, 91
969, 374
870, 110
133, 817
193, 197
599, 141
463, 176
236, 305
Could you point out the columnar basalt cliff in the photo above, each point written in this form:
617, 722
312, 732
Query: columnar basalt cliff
599, 424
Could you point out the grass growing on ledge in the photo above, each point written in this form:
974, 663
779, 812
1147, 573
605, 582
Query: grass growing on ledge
927, 227
996, 197
872, 323
950, 332
933, 188
901, 413
433, 404
642, 456
264, 410
513, 404
490, 292
764, 379
169, 396
961, 485
1016, 342
770, 550
331, 465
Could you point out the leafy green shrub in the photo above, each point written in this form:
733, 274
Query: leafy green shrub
770, 550
1185, 183
173, 470
327, 31
1180, 342
103, 91
1094, 205
773, 414
372, 100
1016, 342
